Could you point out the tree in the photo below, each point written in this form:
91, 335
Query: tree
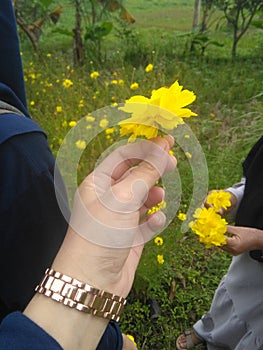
239, 14
37, 13
196, 16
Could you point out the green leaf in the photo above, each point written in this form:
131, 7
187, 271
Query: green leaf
98, 31
46, 3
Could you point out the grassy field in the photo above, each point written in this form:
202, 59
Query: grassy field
171, 15
230, 119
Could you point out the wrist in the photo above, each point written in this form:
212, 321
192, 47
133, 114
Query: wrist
96, 265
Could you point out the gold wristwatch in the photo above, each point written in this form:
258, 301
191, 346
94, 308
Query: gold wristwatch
80, 296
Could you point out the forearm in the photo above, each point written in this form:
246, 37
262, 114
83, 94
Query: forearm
73, 329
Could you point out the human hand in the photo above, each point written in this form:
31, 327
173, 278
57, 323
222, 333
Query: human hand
107, 232
243, 239
105, 238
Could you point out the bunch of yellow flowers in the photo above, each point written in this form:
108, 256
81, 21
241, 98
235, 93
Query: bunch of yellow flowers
208, 223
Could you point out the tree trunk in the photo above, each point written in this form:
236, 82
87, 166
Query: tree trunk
196, 16
78, 47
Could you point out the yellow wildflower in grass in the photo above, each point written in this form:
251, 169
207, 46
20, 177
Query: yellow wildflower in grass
72, 123
181, 216
89, 118
188, 155
110, 131
159, 206
165, 108
131, 338
94, 75
67, 83
58, 109
32, 103
149, 68
104, 123
114, 82
219, 199
160, 259
81, 103
158, 240
81, 144
121, 82
64, 123
209, 226
134, 86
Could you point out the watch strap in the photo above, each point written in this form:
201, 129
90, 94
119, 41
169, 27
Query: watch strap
80, 296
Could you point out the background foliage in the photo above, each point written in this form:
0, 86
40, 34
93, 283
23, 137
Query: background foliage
168, 297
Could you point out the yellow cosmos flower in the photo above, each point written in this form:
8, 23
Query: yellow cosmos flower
131, 338
165, 108
58, 109
110, 130
160, 259
209, 226
134, 86
158, 240
104, 123
181, 216
72, 123
159, 206
188, 155
89, 118
219, 199
67, 83
81, 144
94, 75
149, 68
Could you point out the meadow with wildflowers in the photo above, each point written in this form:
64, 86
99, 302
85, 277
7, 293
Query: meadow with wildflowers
177, 275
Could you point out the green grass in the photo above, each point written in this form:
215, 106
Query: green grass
229, 105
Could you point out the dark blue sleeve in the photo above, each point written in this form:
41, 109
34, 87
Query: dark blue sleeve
11, 72
18, 332
32, 227
112, 338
